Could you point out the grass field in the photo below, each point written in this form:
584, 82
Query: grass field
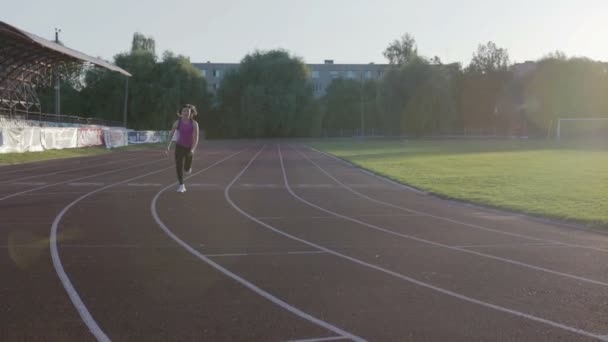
19, 158
563, 181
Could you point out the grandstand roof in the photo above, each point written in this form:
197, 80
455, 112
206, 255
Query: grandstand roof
29, 51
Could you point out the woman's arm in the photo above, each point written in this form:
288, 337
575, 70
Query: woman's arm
171, 135
194, 136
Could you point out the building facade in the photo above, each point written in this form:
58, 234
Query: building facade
320, 75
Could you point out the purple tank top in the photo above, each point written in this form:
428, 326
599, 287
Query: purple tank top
185, 133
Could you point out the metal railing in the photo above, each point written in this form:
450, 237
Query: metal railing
56, 118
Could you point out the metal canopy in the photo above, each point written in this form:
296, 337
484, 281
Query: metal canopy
28, 61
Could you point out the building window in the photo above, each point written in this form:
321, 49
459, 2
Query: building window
204, 72
333, 74
215, 86
378, 74
350, 74
315, 74
217, 73
368, 74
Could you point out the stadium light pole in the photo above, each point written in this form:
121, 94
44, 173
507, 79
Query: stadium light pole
57, 83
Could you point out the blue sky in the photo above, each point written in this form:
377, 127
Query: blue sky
346, 31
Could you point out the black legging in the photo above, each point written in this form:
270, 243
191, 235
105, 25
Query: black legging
183, 161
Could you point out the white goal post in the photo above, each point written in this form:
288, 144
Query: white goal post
559, 123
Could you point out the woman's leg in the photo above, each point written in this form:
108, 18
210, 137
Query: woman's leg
180, 153
188, 163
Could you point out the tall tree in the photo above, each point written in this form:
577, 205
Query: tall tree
156, 90
489, 58
483, 83
143, 43
268, 96
402, 51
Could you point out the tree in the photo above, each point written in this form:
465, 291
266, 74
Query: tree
565, 87
489, 58
481, 88
342, 106
143, 43
419, 98
268, 96
156, 91
402, 51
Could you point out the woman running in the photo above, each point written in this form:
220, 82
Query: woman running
187, 140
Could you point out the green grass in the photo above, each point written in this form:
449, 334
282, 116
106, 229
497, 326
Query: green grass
562, 181
27, 157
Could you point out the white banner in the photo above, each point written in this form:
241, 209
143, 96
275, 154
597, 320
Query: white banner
115, 138
145, 137
21, 140
59, 138
90, 137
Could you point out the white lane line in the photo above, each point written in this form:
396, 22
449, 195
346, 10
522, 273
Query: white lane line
320, 339
144, 184
101, 246
521, 244
47, 166
263, 186
85, 184
313, 185
329, 217
404, 277
452, 220
76, 179
87, 246
62, 171
262, 254
84, 313
236, 277
53, 193
438, 244
22, 170
204, 185
27, 183
384, 179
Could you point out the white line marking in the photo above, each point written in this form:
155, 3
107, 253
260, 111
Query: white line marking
234, 276
262, 254
461, 204
77, 161
204, 185
272, 186
384, 179
62, 171
438, 244
87, 246
28, 183
23, 170
58, 193
84, 313
144, 184
522, 244
328, 217
86, 184
320, 339
76, 179
404, 277
313, 185
103, 246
